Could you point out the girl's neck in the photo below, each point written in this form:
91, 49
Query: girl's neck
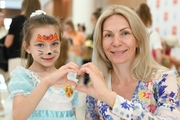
37, 68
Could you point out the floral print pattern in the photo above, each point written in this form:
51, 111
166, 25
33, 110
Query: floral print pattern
156, 99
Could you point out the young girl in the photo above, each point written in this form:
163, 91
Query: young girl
40, 91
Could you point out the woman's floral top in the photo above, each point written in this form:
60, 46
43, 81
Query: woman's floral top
157, 99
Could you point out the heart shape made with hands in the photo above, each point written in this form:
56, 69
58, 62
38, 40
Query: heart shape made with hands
72, 76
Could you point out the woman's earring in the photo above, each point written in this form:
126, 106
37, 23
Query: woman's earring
137, 49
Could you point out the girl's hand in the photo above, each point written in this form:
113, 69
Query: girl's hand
60, 76
98, 88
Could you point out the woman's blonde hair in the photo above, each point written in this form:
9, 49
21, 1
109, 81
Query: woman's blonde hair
143, 64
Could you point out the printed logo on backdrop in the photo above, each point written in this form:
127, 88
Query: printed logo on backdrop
165, 16
174, 30
175, 1
157, 29
157, 3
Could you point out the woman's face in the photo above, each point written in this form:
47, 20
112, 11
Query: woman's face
119, 44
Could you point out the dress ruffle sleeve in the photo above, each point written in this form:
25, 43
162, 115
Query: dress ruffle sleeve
21, 82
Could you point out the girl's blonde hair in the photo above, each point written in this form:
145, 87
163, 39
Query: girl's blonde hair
64, 53
143, 64
36, 22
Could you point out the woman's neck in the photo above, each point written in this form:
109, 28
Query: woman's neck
121, 75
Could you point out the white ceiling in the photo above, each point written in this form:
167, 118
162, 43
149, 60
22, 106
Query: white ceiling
16, 4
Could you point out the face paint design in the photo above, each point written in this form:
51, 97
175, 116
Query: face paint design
49, 53
55, 51
46, 38
40, 52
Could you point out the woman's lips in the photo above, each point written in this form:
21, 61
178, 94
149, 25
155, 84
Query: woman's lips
118, 52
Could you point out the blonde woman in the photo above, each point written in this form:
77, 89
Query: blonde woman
126, 81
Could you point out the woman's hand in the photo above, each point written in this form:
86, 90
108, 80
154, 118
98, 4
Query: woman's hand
60, 76
98, 88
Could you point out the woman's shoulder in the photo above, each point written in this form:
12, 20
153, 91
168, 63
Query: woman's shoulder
159, 75
166, 71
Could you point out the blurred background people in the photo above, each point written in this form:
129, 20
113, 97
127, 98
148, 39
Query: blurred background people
77, 38
94, 17
3, 57
67, 53
86, 56
155, 40
13, 39
82, 28
169, 61
3, 54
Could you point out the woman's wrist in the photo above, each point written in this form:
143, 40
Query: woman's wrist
109, 97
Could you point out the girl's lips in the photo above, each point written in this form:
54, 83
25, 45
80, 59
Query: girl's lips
48, 58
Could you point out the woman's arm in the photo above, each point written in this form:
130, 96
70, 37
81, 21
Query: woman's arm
167, 100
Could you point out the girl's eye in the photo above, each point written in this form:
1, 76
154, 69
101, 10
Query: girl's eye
40, 45
55, 44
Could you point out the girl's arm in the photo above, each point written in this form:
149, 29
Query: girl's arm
24, 106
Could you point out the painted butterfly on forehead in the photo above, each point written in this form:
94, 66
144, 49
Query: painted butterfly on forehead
46, 38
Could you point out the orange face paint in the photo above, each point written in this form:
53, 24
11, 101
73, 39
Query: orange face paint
45, 38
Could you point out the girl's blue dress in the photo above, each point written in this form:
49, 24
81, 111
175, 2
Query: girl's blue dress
55, 105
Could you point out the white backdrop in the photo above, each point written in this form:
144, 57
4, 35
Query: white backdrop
166, 19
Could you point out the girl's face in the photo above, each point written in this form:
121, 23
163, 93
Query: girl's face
44, 45
119, 44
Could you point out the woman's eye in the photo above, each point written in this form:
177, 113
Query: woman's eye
40, 45
55, 44
125, 33
107, 35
